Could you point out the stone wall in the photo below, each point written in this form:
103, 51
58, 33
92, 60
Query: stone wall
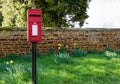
15, 40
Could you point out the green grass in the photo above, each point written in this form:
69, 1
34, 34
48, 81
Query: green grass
89, 69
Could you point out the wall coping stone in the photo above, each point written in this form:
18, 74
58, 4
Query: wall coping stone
56, 29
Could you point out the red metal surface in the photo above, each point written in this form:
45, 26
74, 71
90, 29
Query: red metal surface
34, 17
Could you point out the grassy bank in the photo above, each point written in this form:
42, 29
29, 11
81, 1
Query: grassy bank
62, 69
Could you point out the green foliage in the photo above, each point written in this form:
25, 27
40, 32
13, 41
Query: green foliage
55, 12
22, 74
76, 52
62, 58
109, 48
92, 69
111, 54
14, 12
51, 50
11, 56
26, 57
84, 52
117, 51
4, 66
12, 28
62, 49
8, 9
1, 18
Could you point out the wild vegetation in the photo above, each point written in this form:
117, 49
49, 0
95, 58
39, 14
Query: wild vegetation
93, 67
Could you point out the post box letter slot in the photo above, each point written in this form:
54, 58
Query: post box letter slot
34, 15
34, 30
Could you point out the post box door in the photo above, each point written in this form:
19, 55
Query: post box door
35, 31
34, 25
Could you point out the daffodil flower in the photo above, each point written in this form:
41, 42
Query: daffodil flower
60, 45
66, 46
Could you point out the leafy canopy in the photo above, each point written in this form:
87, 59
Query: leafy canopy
56, 13
14, 12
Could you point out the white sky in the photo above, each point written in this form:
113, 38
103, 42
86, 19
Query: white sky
103, 14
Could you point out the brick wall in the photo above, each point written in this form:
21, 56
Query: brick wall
15, 40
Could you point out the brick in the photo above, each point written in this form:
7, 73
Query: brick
16, 41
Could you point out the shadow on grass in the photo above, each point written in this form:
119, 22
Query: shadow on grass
92, 69
84, 70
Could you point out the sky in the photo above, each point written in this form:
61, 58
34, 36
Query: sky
103, 14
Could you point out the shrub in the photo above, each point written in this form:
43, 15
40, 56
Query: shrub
11, 55
62, 49
26, 57
62, 58
76, 52
51, 50
84, 52
109, 48
117, 51
110, 54
19, 72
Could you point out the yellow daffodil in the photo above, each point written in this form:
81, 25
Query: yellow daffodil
66, 46
75, 44
59, 45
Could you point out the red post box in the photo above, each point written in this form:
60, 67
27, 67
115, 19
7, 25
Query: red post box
34, 25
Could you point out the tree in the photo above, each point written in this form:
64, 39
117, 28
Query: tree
55, 12
7, 12
14, 12
1, 18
